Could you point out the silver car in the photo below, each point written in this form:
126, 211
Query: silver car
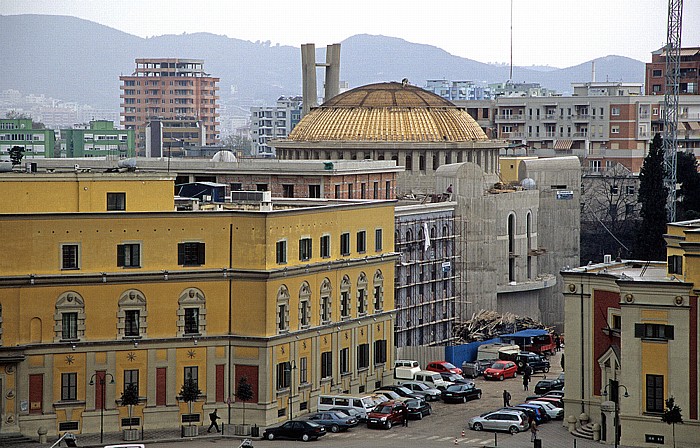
503, 420
429, 393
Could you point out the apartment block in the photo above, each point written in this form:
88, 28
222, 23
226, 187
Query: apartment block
20, 132
98, 139
689, 75
268, 123
170, 90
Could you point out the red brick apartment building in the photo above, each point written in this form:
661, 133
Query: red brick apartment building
655, 80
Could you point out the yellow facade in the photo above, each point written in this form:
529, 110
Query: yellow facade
73, 308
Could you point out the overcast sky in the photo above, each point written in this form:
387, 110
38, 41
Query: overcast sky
558, 33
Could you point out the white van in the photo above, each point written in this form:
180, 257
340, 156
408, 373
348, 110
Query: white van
362, 404
497, 351
432, 379
406, 368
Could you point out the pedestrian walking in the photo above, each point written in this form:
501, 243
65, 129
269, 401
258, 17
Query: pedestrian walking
526, 381
506, 398
533, 430
213, 417
405, 417
557, 342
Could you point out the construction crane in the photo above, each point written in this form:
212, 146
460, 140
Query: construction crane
673, 64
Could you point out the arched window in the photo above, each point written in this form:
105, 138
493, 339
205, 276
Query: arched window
131, 316
283, 309
378, 284
304, 305
69, 320
326, 303
192, 313
345, 302
511, 248
362, 294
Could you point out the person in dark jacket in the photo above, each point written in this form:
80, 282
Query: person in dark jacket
213, 416
506, 398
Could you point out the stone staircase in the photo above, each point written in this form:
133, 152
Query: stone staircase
15, 440
584, 432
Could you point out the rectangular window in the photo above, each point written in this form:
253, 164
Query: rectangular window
326, 364
325, 246
192, 374
344, 361
131, 322
69, 326
362, 356
190, 254
614, 111
387, 190
303, 371
345, 304
656, 73
659, 332
131, 377
377, 240
325, 309
236, 186
337, 191
281, 252
282, 317
350, 191
287, 191
305, 249
375, 192
363, 190
614, 129
191, 320
314, 191
380, 352
378, 302
655, 393
261, 187
361, 241
284, 375
69, 386
129, 255
345, 244
70, 256
629, 189
116, 201
675, 264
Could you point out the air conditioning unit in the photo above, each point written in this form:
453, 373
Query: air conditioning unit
607, 258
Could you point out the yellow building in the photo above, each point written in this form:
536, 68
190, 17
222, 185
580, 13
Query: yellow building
107, 285
632, 341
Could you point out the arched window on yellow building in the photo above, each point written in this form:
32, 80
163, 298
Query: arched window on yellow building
192, 313
304, 305
131, 317
283, 309
326, 303
378, 284
69, 320
362, 294
345, 301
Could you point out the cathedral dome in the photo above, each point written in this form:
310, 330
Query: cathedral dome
388, 112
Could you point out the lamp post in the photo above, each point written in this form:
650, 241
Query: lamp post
291, 367
102, 381
615, 398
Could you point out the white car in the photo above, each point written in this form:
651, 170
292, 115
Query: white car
553, 411
430, 393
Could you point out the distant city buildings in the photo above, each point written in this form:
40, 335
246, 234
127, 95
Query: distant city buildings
177, 94
655, 76
97, 139
277, 121
21, 132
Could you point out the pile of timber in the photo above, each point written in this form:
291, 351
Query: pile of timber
488, 324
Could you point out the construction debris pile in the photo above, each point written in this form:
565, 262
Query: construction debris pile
488, 324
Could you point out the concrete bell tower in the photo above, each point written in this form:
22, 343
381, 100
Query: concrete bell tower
308, 74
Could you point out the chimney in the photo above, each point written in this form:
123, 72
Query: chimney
592, 71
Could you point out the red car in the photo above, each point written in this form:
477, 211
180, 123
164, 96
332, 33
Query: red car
387, 414
443, 366
501, 370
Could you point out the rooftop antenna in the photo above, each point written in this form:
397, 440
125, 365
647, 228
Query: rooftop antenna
510, 78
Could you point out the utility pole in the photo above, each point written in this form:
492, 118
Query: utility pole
673, 60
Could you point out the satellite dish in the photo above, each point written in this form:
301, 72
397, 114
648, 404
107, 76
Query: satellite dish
224, 156
528, 183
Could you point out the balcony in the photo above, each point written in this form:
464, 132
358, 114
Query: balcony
515, 117
581, 117
580, 135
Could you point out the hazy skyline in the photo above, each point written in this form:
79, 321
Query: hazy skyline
558, 33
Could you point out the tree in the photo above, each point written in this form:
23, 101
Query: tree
688, 198
238, 143
244, 393
130, 397
16, 155
652, 197
16, 115
672, 415
189, 393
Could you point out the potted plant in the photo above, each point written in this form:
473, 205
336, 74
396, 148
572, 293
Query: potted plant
244, 393
189, 394
130, 397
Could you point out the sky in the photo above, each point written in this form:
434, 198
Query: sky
558, 33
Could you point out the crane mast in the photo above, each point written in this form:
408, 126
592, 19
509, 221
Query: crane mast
673, 60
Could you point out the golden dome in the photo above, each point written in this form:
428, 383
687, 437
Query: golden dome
391, 112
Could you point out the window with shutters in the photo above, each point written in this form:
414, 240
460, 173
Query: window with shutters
362, 294
326, 364
380, 352
303, 370
655, 393
344, 361
378, 284
378, 243
284, 375
190, 254
69, 318
283, 309
305, 249
326, 303
325, 246
192, 313
131, 316
657, 332
675, 264
362, 241
345, 302
345, 244
362, 356
281, 252
129, 255
304, 305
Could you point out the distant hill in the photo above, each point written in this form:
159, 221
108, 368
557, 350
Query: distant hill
79, 60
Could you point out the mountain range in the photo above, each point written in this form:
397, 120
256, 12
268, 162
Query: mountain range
78, 60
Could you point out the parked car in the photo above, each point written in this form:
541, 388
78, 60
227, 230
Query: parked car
431, 378
555, 393
544, 386
401, 390
531, 411
501, 370
387, 414
296, 430
429, 393
443, 366
556, 401
554, 412
476, 368
536, 362
418, 408
351, 412
455, 378
406, 368
461, 392
333, 421
511, 421
390, 394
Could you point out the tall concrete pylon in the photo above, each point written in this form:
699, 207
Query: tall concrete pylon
308, 74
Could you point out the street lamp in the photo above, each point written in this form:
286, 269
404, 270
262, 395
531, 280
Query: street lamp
290, 368
615, 398
102, 381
